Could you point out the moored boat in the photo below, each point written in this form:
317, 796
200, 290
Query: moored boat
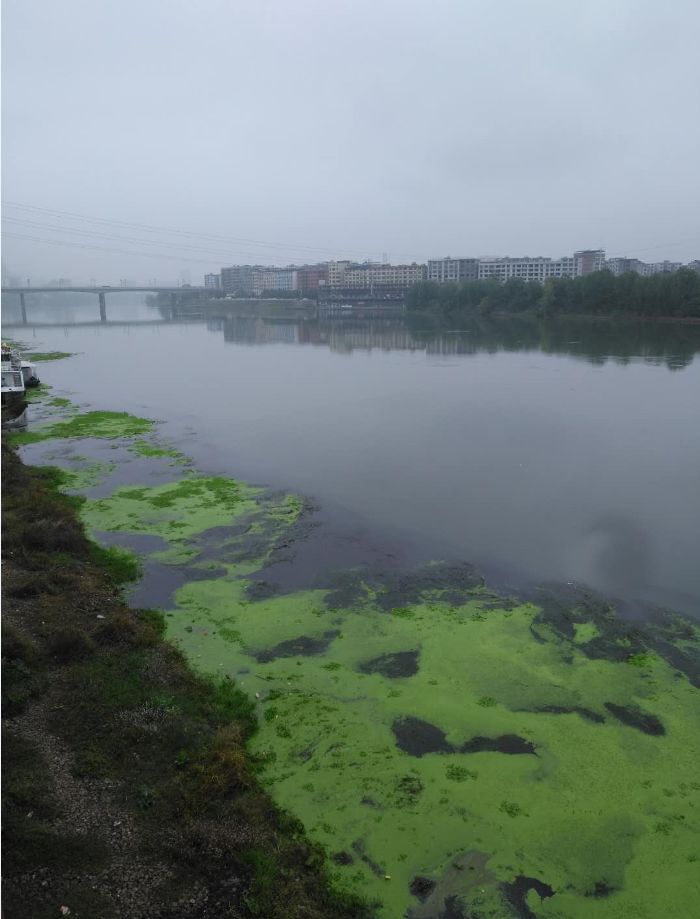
13, 384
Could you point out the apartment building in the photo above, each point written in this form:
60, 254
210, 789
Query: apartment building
618, 266
213, 281
369, 275
271, 278
588, 260
238, 279
663, 267
526, 268
442, 270
311, 277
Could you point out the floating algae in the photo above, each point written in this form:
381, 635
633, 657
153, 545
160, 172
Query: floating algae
48, 355
456, 753
109, 425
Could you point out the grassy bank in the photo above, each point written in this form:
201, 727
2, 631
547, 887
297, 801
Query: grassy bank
128, 788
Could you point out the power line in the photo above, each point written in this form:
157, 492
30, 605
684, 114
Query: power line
215, 253
178, 232
76, 245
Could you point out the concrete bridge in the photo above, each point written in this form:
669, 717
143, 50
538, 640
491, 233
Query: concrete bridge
175, 294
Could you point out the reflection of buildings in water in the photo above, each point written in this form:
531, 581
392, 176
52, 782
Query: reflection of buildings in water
675, 347
253, 330
340, 335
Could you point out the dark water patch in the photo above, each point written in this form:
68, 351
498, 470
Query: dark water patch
636, 718
261, 590
453, 584
358, 847
600, 889
421, 887
510, 744
303, 646
563, 606
392, 665
586, 713
160, 582
141, 543
516, 893
342, 858
453, 908
450, 894
440, 581
130, 469
417, 737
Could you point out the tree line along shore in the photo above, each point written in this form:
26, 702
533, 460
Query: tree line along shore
601, 293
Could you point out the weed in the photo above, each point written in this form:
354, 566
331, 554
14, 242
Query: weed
460, 773
511, 808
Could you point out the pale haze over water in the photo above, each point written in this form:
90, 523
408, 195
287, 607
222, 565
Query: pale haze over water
410, 129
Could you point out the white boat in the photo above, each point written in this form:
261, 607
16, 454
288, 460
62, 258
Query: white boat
12, 374
16, 376
30, 374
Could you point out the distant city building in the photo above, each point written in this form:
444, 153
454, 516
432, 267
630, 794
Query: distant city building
238, 279
694, 265
622, 265
213, 281
618, 266
527, 268
452, 269
336, 273
271, 278
663, 267
311, 277
368, 275
588, 260
253, 280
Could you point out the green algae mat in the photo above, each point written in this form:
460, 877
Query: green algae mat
458, 753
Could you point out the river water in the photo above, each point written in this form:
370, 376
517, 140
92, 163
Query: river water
567, 452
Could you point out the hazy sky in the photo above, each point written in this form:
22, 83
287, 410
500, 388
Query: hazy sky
414, 128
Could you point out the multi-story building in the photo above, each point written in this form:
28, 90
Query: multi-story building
694, 265
238, 279
369, 275
618, 266
588, 260
311, 277
526, 268
452, 269
663, 267
336, 273
271, 278
213, 281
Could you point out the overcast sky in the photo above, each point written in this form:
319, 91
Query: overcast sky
302, 130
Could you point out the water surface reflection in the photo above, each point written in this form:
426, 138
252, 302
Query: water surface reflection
535, 450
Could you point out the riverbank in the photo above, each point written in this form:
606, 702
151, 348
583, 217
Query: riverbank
128, 787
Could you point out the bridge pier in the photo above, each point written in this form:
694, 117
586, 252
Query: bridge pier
103, 306
23, 307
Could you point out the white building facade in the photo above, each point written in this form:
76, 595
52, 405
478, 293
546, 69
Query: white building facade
369, 275
526, 269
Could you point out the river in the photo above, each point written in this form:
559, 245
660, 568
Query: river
563, 452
